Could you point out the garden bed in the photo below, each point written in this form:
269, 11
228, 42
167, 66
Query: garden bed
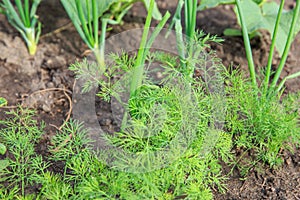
45, 83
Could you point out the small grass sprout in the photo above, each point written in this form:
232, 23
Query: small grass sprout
25, 20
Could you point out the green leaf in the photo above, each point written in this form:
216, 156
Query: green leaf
3, 102
205, 4
264, 17
2, 149
12, 15
156, 13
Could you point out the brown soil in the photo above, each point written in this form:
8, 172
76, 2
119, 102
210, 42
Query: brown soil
44, 82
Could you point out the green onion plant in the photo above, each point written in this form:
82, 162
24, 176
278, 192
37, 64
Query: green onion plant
25, 20
190, 10
85, 16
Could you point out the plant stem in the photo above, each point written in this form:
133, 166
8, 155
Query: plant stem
99, 47
102, 41
27, 13
139, 65
180, 43
89, 18
155, 33
178, 30
31, 40
22, 173
295, 75
272, 48
251, 66
190, 8
287, 46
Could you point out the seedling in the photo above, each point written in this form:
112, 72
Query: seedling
25, 20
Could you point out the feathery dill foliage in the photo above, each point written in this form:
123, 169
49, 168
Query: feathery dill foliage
20, 135
164, 113
265, 126
83, 176
190, 176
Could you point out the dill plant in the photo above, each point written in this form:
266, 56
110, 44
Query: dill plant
165, 129
23, 168
262, 121
20, 135
262, 127
258, 114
